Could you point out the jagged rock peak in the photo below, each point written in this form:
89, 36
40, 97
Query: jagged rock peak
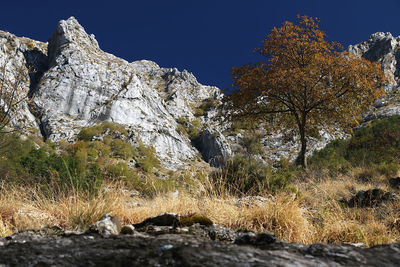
85, 85
383, 48
70, 33
75, 84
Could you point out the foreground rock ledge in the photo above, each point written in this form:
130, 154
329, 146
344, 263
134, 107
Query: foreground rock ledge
31, 249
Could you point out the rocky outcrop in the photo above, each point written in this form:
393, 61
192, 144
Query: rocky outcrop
370, 198
385, 49
22, 60
74, 84
107, 225
85, 86
214, 148
55, 247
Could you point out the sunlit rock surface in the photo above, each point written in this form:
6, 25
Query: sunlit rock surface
70, 83
385, 49
75, 84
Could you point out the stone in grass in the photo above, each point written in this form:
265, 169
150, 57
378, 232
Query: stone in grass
165, 219
193, 219
369, 198
107, 225
395, 182
220, 233
127, 230
254, 239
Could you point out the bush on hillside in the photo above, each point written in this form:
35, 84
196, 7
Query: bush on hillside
243, 176
87, 134
147, 159
81, 166
377, 144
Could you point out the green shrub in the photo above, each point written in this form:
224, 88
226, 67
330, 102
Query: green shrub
241, 125
208, 104
122, 149
121, 172
332, 157
198, 112
279, 180
194, 133
251, 143
247, 176
196, 123
147, 159
114, 128
80, 166
65, 171
377, 146
182, 120
37, 162
192, 129
377, 143
181, 129
87, 134
388, 169
96, 149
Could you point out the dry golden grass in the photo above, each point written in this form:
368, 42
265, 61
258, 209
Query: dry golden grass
313, 216
335, 223
23, 208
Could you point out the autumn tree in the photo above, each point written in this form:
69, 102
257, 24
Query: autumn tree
304, 82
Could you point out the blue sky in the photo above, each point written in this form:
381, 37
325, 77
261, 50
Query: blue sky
205, 37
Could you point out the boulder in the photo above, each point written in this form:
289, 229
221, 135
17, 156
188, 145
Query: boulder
214, 148
255, 239
395, 182
107, 225
165, 219
370, 198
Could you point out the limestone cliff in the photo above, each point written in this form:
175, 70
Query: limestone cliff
75, 84
385, 49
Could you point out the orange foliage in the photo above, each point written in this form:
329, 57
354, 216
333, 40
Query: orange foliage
305, 82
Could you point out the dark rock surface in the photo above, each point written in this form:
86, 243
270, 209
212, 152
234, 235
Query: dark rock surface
395, 182
33, 248
214, 148
370, 198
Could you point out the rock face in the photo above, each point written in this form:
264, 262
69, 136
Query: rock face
385, 49
85, 85
164, 241
370, 198
214, 148
32, 248
75, 84
15, 54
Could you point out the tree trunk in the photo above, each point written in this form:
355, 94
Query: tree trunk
301, 158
